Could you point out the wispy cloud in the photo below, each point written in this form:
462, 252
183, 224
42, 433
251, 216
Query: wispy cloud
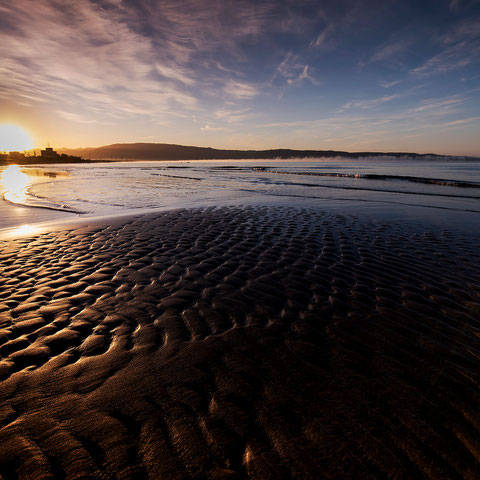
390, 53
232, 115
440, 105
211, 128
349, 125
466, 29
303, 75
461, 47
389, 84
453, 58
80, 56
461, 121
341, 19
322, 40
122, 59
186, 28
370, 103
181, 75
294, 71
76, 117
240, 90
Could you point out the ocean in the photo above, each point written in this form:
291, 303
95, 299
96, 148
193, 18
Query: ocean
445, 191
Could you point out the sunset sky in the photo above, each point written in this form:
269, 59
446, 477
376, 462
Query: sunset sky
396, 75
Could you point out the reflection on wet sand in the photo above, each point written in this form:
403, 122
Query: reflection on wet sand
24, 230
14, 184
15, 181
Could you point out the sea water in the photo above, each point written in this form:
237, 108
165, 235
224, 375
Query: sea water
431, 188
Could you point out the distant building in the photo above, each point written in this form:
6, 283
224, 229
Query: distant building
49, 154
17, 156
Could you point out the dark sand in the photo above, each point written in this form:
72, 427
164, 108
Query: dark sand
254, 342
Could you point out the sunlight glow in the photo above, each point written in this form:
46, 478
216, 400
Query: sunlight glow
13, 138
14, 184
24, 230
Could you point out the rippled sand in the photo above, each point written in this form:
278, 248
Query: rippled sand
257, 342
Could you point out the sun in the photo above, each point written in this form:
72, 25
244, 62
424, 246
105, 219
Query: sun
13, 138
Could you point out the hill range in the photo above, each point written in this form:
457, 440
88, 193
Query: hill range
165, 151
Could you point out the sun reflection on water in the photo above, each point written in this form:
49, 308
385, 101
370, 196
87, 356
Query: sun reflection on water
14, 184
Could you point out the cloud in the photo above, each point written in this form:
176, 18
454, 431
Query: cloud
294, 71
331, 125
299, 123
453, 58
462, 42
210, 128
389, 84
461, 121
361, 129
194, 25
322, 39
429, 113
234, 115
390, 53
371, 103
441, 105
240, 90
75, 117
80, 56
181, 75
303, 75
120, 59
467, 29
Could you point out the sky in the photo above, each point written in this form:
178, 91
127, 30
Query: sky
355, 75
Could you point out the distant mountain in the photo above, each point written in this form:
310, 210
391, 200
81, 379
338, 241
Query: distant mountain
166, 151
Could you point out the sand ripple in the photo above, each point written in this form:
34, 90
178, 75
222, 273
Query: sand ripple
257, 342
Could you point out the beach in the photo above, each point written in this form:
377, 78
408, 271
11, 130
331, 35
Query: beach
239, 240
257, 341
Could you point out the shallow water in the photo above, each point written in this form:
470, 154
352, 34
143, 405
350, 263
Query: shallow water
108, 188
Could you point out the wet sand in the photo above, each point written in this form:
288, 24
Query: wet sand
256, 342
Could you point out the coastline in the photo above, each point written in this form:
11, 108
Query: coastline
21, 220
387, 188
258, 341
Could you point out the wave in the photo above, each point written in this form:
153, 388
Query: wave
174, 176
374, 176
381, 190
367, 200
50, 206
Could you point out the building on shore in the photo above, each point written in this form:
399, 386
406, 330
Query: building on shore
49, 154
17, 156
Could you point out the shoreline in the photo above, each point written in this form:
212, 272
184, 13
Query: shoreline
28, 220
240, 342
451, 201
